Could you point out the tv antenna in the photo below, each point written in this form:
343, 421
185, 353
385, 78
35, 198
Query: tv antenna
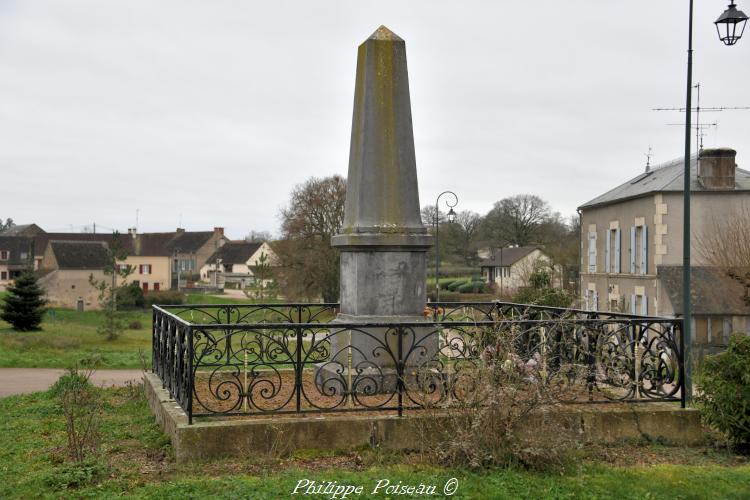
697, 110
648, 158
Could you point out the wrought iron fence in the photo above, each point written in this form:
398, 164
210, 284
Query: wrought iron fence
291, 358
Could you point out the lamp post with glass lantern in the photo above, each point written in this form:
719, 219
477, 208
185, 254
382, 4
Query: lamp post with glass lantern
451, 218
730, 26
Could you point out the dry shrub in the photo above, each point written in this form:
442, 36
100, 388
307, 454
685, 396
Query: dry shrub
81, 406
501, 411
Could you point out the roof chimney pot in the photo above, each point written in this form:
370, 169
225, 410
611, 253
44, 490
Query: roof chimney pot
716, 168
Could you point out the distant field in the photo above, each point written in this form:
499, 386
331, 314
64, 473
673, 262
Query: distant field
68, 336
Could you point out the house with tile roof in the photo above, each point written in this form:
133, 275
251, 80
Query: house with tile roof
235, 263
631, 243
157, 259
510, 268
67, 269
16, 255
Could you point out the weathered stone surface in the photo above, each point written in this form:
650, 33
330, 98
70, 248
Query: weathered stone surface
263, 436
382, 198
382, 283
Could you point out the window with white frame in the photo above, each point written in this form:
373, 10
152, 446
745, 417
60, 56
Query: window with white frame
145, 269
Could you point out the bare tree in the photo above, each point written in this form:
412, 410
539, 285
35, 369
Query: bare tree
428, 216
516, 220
7, 224
257, 236
310, 266
469, 224
725, 243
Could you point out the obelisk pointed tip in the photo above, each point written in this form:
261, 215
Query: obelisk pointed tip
384, 34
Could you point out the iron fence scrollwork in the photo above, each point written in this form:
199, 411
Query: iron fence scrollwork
232, 360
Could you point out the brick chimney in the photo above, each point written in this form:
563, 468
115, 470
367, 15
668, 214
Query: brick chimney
716, 168
219, 231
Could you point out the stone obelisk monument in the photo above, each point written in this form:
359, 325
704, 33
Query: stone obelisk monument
383, 242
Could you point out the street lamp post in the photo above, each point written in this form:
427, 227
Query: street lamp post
451, 218
730, 26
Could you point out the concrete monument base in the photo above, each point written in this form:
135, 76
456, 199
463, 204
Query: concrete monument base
282, 435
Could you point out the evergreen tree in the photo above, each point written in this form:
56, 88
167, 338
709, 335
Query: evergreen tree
24, 305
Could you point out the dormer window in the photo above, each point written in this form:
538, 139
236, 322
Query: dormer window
4, 255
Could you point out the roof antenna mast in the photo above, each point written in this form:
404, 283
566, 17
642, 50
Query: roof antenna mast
648, 159
697, 110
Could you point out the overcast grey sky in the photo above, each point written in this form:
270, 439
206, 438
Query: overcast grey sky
213, 111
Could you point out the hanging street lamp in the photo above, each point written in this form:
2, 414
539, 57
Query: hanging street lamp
731, 25
451, 218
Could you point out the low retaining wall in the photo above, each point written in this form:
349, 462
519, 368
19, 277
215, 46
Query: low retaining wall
279, 435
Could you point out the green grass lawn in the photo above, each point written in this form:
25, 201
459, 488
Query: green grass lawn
198, 298
67, 336
136, 460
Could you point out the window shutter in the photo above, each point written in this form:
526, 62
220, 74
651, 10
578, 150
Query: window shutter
644, 306
632, 304
644, 249
592, 252
596, 302
140, 268
632, 250
608, 244
617, 251
588, 308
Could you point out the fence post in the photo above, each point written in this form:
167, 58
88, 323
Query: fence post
154, 341
298, 369
190, 377
678, 326
593, 337
400, 371
635, 338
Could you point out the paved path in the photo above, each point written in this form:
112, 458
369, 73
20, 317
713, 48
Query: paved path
23, 380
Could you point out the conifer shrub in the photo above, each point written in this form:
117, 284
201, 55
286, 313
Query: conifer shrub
23, 307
